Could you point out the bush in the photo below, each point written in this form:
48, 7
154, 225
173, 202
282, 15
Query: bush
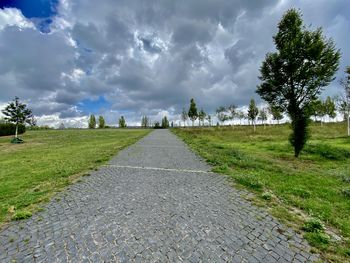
346, 192
19, 215
10, 129
266, 196
314, 225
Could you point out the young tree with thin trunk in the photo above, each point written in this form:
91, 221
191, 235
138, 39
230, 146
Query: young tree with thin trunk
263, 116
92, 122
17, 113
232, 113
241, 116
276, 113
208, 118
293, 76
344, 106
101, 122
253, 112
330, 108
201, 117
144, 122
192, 112
221, 114
184, 116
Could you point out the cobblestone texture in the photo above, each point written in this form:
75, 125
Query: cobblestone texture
123, 214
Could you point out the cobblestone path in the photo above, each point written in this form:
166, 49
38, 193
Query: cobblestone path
155, 202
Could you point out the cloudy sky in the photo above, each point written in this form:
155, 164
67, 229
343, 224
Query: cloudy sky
69, 58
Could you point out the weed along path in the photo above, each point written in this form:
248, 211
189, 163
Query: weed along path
155, 202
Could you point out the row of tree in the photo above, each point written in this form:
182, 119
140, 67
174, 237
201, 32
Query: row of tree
92, 122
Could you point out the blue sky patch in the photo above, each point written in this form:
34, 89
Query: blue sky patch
93, 106
39, 11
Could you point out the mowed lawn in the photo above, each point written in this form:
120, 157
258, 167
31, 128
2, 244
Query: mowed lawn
50, 160
316, 185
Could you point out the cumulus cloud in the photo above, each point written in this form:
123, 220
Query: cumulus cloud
148, 58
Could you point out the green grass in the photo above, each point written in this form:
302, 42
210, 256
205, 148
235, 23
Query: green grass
50, 160
316, 185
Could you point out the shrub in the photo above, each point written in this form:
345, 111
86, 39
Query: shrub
267, 196
313, 225
318, 239
9, 129
22, 214
346, 192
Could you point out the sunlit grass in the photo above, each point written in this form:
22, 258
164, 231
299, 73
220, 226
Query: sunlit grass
50, 160
316, 183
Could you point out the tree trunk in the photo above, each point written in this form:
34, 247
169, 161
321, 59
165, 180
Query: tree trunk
16, 133
254, 125
348, 123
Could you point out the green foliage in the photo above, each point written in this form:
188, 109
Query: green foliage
262, 115
10, 129
318, 239
346, 192
157, 125
165, 122
122, 122
313, 225
18, 113
253, 110
22, 214
192, 112
294, 76
329, 107
267, 196
276, 112
101, 122
92, 122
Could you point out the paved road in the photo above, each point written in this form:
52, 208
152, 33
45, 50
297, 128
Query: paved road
155, 202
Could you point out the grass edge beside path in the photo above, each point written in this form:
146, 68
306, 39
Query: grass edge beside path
33, 172
295, 191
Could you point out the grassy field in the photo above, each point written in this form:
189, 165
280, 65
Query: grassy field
305, 193
50, 160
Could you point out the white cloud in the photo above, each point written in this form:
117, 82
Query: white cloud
13, 17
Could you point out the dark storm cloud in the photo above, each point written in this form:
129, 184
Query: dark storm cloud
151, 56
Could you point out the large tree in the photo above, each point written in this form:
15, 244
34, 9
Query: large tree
192, 112
294, 75
18, 113
253, 112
